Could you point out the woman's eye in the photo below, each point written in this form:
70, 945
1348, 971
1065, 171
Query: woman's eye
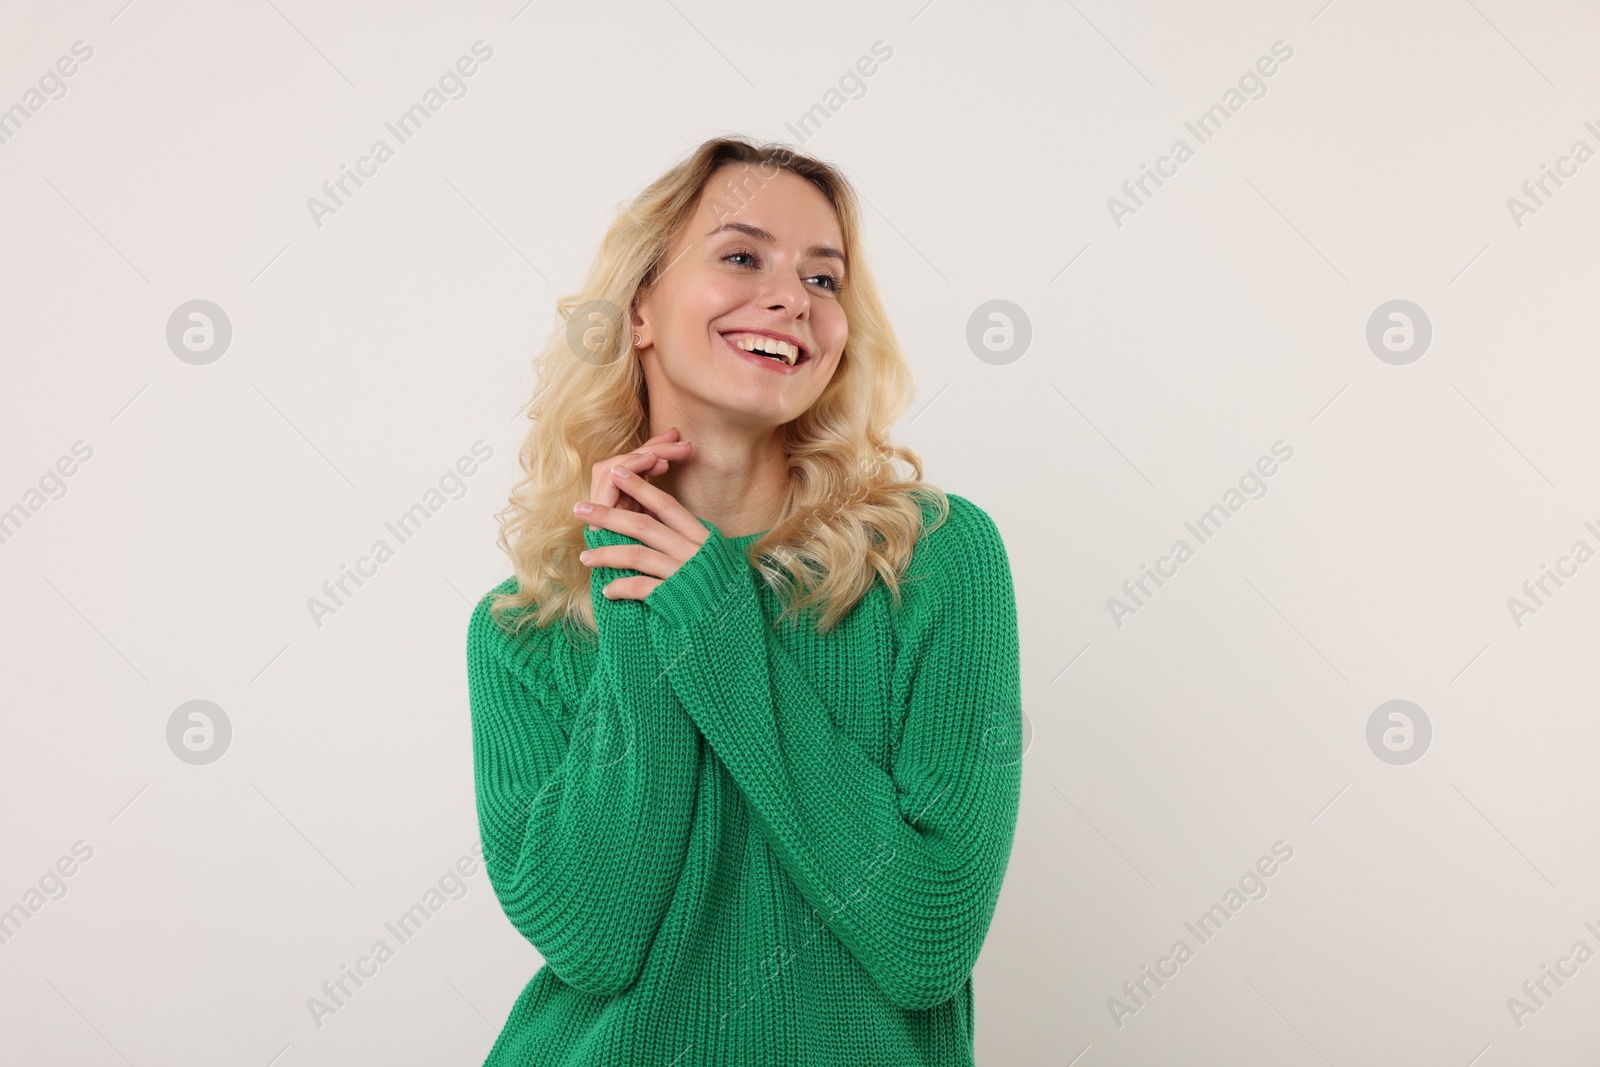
833, 286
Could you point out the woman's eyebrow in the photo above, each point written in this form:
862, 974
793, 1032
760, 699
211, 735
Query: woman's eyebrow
762, 235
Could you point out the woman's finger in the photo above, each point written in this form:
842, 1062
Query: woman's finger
661, 548
654, 460
638, 588
669, 437
663, 506
602, 488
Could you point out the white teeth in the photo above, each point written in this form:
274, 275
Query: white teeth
771, 346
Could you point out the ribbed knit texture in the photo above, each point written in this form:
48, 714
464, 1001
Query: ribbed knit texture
735, 845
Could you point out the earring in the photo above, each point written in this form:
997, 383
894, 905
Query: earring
636, 340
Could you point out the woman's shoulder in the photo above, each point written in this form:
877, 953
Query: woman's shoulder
960, 550
965, 530
483, 625
959, 573
524, 648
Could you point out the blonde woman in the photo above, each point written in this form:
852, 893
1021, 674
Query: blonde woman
753, 798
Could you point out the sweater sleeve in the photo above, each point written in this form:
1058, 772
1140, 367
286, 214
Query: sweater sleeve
904, 865
585, 836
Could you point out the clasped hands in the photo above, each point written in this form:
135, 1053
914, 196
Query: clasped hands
668, 533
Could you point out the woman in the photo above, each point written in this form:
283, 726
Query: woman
735, 841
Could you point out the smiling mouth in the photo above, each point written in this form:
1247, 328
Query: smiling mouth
778, 351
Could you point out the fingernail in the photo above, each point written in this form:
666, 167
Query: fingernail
583, 557
583, 507
622, 472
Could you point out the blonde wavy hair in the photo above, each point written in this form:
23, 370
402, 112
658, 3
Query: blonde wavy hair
848, 518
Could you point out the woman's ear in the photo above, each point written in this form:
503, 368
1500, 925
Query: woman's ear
640, 328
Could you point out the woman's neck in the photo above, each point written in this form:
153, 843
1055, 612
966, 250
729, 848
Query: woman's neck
738, 486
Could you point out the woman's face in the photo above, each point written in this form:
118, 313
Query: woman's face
753, 259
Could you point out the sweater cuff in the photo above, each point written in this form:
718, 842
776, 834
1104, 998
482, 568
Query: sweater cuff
714, 579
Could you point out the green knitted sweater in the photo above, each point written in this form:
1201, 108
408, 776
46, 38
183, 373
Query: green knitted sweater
733, 844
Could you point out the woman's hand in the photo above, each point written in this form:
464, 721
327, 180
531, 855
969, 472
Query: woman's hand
667, 541
651, 458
